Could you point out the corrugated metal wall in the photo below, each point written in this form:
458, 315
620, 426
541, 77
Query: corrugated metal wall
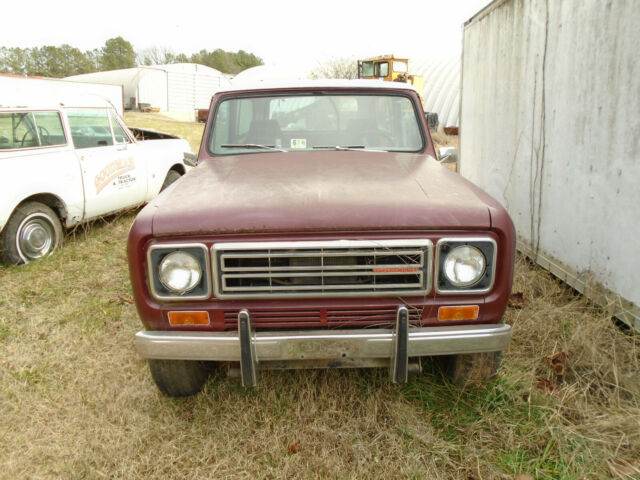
441, 91
176, 87
190, 91
550, 127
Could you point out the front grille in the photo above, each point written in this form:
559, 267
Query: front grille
323, 317
276, 318
370, 316
316, 269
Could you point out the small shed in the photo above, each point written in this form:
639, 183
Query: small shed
180, 87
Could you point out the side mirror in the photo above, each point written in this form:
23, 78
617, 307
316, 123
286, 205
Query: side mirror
190, 159
448, 154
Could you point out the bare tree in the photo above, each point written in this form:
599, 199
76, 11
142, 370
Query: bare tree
155, 56
345, 67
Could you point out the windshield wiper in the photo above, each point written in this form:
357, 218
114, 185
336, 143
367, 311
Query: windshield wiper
348, 147
252, 145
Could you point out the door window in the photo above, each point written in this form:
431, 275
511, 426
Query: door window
381, 69
90, 128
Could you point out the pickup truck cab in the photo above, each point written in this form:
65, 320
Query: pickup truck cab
63, 164
320, 231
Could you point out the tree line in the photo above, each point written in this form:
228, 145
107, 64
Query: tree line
65, 60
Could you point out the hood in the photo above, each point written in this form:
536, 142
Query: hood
319, 191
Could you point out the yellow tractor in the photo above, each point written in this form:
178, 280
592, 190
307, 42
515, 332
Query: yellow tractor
391, 69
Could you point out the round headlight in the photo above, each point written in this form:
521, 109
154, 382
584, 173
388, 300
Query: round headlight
464, 266
179, 272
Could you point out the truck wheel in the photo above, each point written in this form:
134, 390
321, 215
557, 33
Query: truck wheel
178, 378
472, 369
171, 177
33, 231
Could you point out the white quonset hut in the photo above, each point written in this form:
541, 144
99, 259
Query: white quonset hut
549, 127
441, 91
176, 88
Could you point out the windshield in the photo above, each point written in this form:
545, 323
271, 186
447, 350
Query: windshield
307, 122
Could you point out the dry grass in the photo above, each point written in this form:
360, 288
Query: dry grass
443, 140
77, 402
190, 131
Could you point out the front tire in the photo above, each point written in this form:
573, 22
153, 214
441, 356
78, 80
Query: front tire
178, 378
33, 231
472, 369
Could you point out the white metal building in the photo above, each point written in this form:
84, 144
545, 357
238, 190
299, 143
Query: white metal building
180, 87
550, 127
441, 91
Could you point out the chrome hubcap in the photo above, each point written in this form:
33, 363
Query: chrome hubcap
35, 237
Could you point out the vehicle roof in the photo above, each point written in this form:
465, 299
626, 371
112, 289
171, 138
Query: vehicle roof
384, 57
319, 84
44, 101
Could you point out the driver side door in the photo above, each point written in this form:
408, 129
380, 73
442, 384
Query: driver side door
111, 176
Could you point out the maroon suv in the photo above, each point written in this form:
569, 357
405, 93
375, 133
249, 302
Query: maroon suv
319, 231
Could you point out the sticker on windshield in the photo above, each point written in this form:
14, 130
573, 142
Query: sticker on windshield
298, 143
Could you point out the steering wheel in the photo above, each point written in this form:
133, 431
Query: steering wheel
42, 131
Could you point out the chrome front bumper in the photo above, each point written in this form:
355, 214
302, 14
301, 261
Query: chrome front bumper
250, 347
316, 345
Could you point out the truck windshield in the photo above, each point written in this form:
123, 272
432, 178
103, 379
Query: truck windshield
305, 122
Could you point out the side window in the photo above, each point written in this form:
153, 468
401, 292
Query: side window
90, 128
367, 69
381, 69
30, 129
49, 128
400, 67
118, 132
6, 132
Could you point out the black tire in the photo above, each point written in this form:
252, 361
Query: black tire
472, 369
32, 232
178, 378
171, 177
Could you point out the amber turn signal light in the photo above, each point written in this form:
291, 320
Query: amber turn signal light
188, 318
452, 314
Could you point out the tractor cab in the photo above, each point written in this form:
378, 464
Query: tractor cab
385, 67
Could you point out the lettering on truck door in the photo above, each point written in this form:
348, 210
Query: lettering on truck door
111, 176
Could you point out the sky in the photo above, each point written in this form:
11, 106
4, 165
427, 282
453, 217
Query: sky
286, 33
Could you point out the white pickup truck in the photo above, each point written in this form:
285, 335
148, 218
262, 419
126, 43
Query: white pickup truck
61, 165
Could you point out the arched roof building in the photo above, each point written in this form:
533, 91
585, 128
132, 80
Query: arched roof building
176, 87
441, 87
